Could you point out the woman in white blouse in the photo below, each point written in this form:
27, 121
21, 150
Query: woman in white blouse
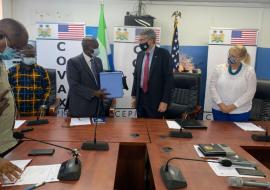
232, 87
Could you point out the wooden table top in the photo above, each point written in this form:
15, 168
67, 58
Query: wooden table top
152, 132
198, 175
113, 130
217, 132
98, 168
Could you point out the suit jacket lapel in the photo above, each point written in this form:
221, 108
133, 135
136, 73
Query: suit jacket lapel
153, 61
87, 68
140, 63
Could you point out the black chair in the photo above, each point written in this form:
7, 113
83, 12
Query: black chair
53, 102
185, 96
261, 102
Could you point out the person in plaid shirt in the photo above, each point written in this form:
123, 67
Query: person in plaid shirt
30, 83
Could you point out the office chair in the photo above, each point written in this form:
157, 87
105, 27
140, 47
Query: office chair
53, 102
261, 102
185, 96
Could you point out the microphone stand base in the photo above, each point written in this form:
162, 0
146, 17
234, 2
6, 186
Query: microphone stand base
99, 146
37, 122
70, 170
182, 134
173, 178
263, 138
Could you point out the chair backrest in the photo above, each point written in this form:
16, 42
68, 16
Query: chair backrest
261, 101
185, 95
52, 76
186, 89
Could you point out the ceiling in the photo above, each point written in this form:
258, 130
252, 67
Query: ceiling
221, 1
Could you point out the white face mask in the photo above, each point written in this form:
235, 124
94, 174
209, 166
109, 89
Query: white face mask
96, 52
29, 60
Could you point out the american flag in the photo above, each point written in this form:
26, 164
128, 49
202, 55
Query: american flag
175, 46
140, 30
244, 37
71, 31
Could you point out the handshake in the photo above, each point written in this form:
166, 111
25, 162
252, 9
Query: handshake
102, 94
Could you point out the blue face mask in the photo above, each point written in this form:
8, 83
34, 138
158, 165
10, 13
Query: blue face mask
29, 60
8, 53
231, 60
96, 52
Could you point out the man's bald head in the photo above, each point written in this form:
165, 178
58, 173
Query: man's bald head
15, 32
89, 44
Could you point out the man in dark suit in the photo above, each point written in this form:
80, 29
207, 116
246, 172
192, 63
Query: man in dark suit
153, 78
83, 78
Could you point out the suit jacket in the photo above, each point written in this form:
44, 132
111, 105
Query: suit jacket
160, 81
82, 84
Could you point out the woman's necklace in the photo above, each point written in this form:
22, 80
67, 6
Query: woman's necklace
234, 72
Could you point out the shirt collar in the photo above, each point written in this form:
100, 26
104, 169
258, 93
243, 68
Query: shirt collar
86, 57
152, 50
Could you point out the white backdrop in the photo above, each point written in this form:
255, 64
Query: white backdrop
54, 54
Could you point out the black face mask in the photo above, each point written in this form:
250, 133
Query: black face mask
144, 46
231, 60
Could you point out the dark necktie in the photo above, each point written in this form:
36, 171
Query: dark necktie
93, 69
146, 72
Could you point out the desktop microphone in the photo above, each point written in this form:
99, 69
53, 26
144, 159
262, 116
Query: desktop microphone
172, 176
264, 138
181, 133
39, 121
70, 170
95, 145
239, 182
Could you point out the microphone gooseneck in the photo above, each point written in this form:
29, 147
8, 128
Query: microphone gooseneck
96, 145
19, 136
96, 122
180, 133
70, 170
224, 162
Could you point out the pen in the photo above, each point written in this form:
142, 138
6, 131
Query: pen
35, 186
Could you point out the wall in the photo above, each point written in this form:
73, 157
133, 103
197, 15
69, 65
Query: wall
1, 9
195, 23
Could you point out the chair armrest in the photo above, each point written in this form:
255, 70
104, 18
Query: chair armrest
54, 107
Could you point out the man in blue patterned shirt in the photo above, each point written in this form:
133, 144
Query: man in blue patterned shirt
30, 83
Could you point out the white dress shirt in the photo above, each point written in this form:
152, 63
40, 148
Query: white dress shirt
236, 89
88, 61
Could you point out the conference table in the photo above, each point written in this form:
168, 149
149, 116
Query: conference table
138, 148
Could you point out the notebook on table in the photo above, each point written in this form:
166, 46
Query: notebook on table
190, 124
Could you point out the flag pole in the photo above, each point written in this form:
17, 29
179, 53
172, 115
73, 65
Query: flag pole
176, 14
175, 42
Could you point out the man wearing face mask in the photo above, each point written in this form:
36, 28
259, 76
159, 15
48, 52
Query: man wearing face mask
13, 36
83, 78
153, 78
30, 83
232, 87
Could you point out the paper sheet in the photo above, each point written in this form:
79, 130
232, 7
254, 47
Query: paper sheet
38, 174
21, 164
80, 121
173, 124
246, 126
19, 123
228, 171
